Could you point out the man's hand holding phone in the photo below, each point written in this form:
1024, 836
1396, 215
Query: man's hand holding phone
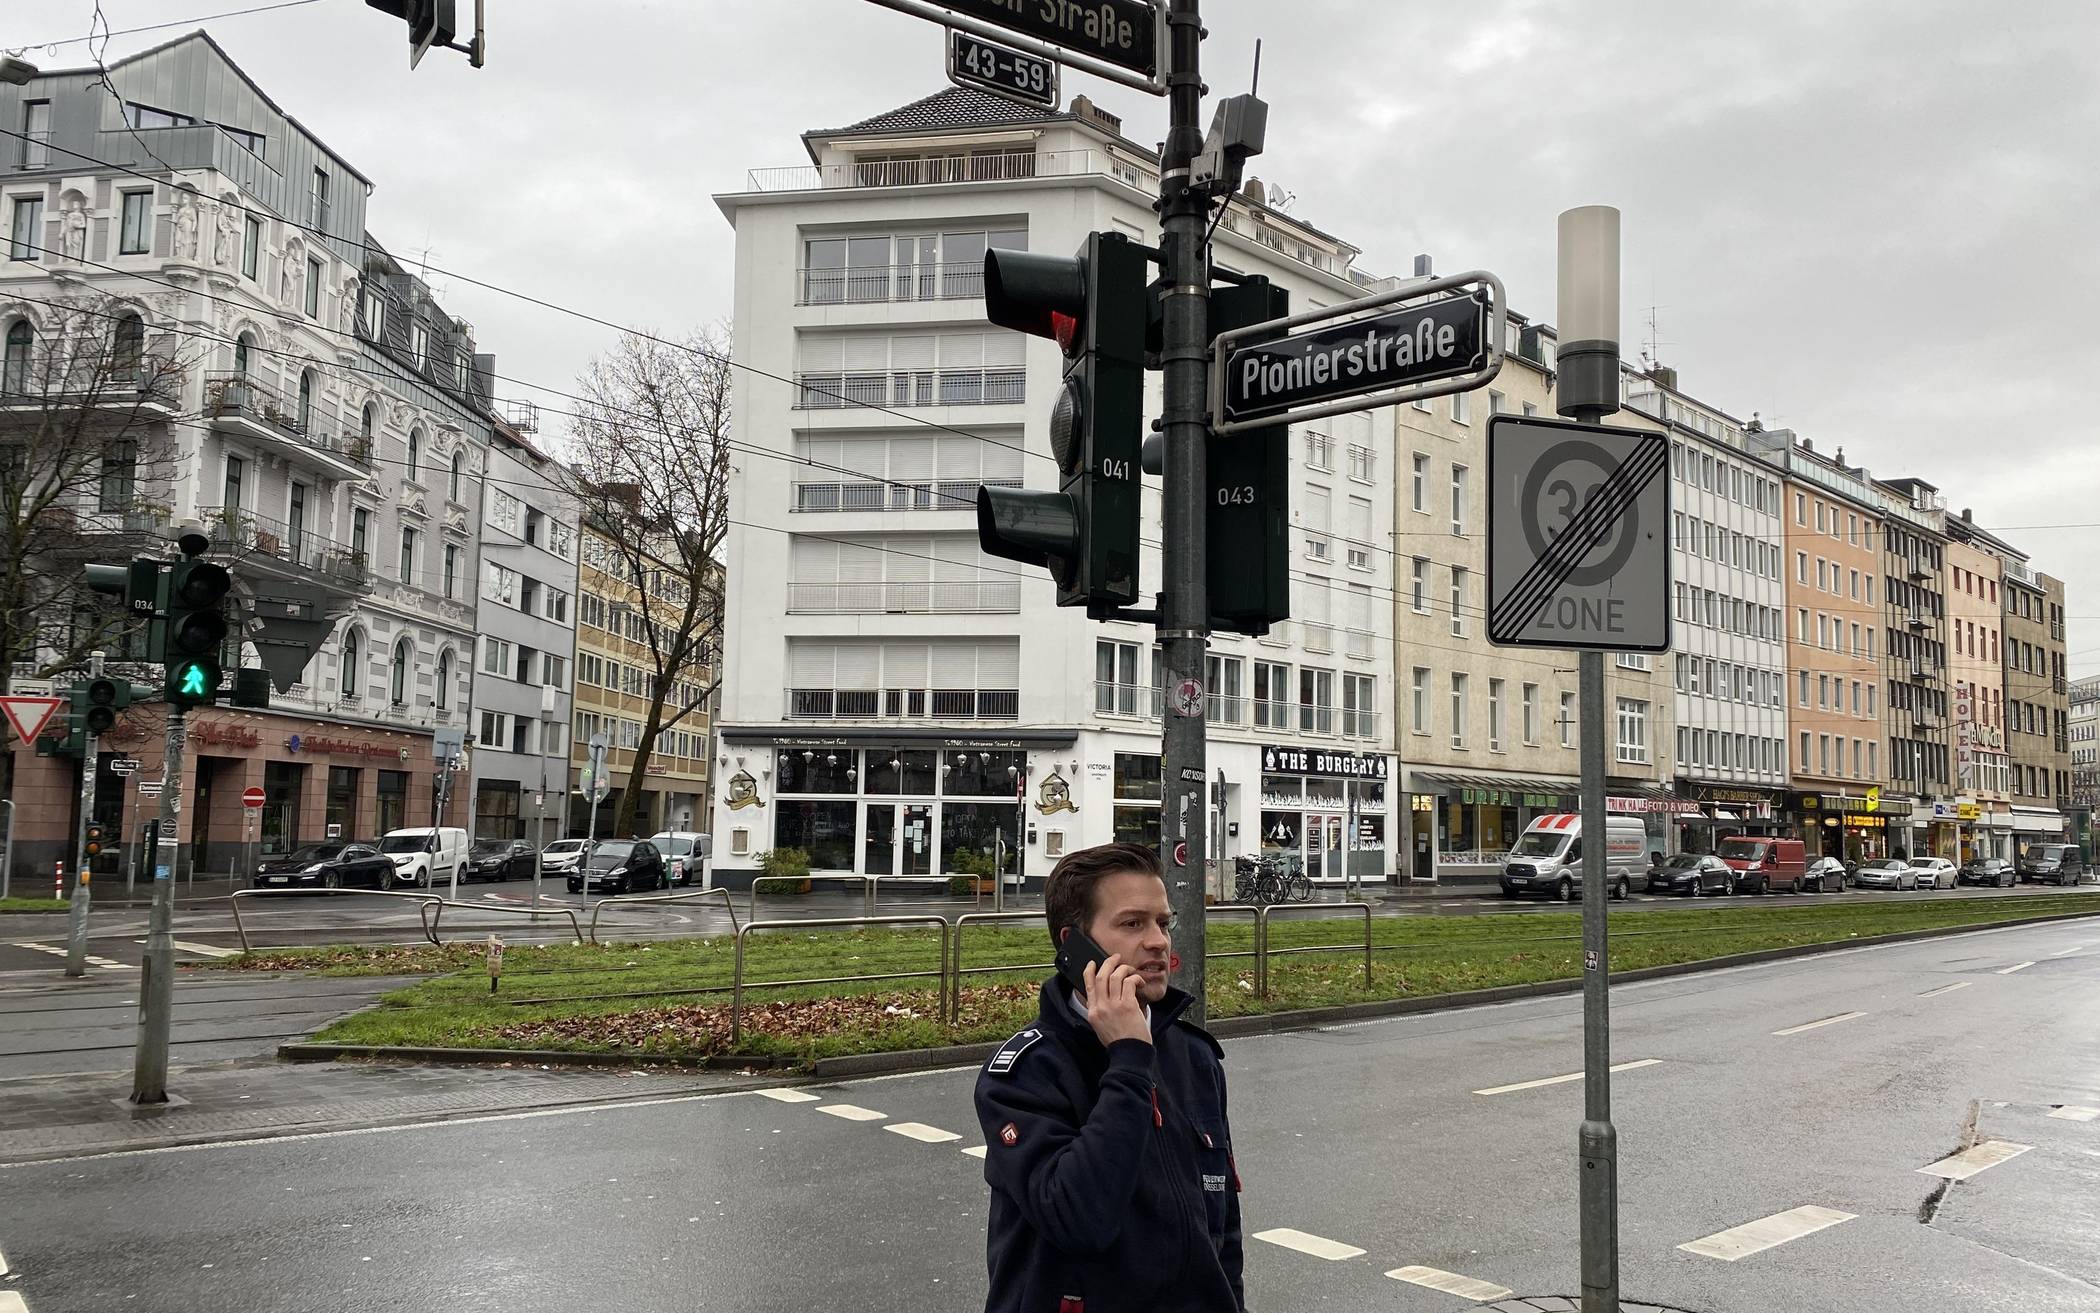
1112, 1006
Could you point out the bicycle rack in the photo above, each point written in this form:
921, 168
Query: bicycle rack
423, 902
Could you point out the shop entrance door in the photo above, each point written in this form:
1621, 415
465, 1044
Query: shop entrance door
899, 839
1324, 855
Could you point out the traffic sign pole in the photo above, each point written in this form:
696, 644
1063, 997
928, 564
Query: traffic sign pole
149, 1074
77, 910
1588, 312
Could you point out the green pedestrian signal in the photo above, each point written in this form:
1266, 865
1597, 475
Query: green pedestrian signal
193, 680
196, 627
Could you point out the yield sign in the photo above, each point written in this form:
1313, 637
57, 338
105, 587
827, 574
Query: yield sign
29, 714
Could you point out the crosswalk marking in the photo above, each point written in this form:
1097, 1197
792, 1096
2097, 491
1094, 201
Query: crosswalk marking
1562, 1080
2071, 1112
923, 1133
2017, 966
1963, 1165
1451, 1283
203, 950
91, 960
1947, 989
1766, 1232
784, 1095
1826, 1021
852, 1112
1305, 1243
977, 1150
11, 1302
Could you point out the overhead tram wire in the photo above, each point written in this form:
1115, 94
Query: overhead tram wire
158, 27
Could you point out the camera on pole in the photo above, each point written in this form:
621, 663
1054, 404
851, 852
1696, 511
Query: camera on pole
1092, 305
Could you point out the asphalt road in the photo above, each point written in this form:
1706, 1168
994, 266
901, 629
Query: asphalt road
205, 928
1419, 1145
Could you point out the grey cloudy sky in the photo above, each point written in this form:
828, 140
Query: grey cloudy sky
1870, 222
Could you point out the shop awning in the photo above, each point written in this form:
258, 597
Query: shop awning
1513, 783
2028, 820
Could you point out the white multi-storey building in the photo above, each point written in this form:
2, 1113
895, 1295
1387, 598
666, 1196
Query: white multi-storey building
1728, 617
894, 701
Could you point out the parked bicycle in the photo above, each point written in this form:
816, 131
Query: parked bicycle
1269, 879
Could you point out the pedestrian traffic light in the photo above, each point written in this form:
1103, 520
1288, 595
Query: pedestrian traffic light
195, 631
1248, 507
1091, 304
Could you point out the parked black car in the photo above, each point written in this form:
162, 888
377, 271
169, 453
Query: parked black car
333, 865
499, 859
1695, 874
2057, 863
1988, 870
619, 866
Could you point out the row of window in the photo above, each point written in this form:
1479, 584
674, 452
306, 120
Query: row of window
1319, 455
1707, 749
1723, 545
529, 524
1726, 681
401, 672
623, 732
1828, 634
1831, 577
1459, 477
526, 665
1632, 715
512, 588
504, 732
1830, 757
1830, 694
1722, 477
1129, 681
1714, 610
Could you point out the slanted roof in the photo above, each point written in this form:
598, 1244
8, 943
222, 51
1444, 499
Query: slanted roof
956, 107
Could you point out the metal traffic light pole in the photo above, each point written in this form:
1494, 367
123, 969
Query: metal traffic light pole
149, 1073
77, 910
1184, 619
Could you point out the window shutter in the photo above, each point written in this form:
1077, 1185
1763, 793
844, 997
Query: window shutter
999, 665
961, 457
962, 350
914, 351
823, 355
1317, 515
911, 459
813, 561
859, 666
810, 665
1360, 519
902, 560
904, 665
1002, 460
1005, 350
866, 353
954, 665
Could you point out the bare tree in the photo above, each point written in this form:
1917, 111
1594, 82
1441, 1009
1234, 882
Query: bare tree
86, 454
651, 445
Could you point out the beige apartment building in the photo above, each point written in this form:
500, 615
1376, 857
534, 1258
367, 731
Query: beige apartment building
2037, 705
1832, 558
1487, 736
614, 670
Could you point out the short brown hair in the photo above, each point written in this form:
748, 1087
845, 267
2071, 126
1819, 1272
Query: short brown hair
1068, 895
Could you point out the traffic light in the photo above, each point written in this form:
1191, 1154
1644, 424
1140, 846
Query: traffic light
195, 631
74, 743
1248, 506
430, 23
1093, 305
97, 702
95, 837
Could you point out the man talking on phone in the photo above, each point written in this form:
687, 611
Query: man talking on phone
1106, 1145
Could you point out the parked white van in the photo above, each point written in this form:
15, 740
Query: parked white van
424, 856
1547, 858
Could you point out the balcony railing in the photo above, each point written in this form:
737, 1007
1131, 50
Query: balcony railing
933, 170
951, 597
890, 282
1225, 709
1359, 724
911, 388
1275, 715
229, 394
896, 703
260, 537
105, 380
946, 495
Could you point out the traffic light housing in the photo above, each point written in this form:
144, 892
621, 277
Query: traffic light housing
98, 701
1093, 305
195, 631
430, 23
95, 839
1247, 503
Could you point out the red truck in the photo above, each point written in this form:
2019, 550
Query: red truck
1762, 865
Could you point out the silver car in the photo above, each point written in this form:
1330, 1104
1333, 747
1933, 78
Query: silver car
1934, 872
1885, 873
562, 856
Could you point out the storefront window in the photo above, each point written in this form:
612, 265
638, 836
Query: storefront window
817, 770
980, 774
906, 772
342, 803
496, 811
393, 800
824, 830
280, 813
977, 828
1137, 778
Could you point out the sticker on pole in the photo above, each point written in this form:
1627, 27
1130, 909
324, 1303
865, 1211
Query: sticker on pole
29, 714
1188, 700
1578, 536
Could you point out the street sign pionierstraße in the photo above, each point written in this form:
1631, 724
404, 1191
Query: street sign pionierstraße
1400, 345
1122, 40
1578, 536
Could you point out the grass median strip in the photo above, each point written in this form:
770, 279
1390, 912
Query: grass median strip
671, 998
14, 904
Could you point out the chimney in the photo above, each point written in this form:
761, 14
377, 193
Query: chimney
1664, 376
1966, 516
1255, 192
1424, 267
1085, 108
1806, 445
1840, 458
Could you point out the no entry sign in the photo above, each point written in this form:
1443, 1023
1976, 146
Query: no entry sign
252, 798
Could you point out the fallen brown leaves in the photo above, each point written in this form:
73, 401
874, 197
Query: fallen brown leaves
703, 1028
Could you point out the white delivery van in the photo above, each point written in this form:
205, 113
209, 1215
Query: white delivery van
424, 856
1547, 858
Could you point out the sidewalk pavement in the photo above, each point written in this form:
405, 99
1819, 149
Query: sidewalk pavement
1566, 1304
43, 1118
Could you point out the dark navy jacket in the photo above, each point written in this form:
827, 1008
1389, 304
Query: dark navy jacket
1113, 1183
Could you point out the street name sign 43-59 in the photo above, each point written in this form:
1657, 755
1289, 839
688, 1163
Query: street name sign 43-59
1401, 345
1578, 536
1122, 40
988, 66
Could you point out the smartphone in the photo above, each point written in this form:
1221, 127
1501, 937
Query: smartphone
1074, 953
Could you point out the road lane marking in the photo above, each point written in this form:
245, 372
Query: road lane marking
1947, 989
1563, 1080
1962, 1166
1766, 1232
203, 950
1451, 1283
3, 1264
11, 1302
2017, 966
1317, 1246
44, 948
1826, 1021
785, 1095
2064, 952
852, 1112
977, 1150
2070, 1112
923, 1133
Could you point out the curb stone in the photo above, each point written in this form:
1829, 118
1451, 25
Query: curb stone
910, 1060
